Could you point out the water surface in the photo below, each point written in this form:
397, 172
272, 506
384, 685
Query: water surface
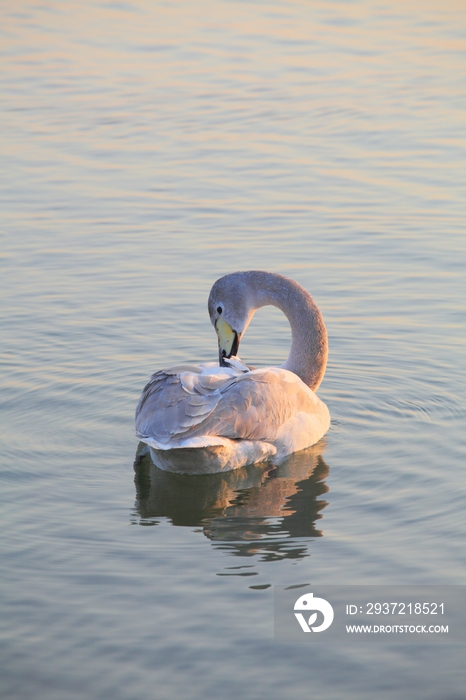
148, 148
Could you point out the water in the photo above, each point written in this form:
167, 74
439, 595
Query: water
148, 148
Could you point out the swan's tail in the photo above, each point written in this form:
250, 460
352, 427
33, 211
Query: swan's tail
215, 454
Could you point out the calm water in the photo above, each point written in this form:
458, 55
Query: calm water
149, 147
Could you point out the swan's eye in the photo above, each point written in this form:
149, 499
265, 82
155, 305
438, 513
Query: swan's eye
219, 309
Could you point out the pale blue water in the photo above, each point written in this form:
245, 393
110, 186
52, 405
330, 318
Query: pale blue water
147, 149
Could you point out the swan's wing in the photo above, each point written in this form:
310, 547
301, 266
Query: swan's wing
256, 405
199, 404
176, 401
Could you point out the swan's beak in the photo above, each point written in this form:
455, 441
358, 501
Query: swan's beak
228, 341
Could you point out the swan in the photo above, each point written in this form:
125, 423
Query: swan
207, 418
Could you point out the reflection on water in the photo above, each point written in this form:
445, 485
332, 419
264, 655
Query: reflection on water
263, 511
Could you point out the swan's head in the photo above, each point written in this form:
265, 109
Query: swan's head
231, 307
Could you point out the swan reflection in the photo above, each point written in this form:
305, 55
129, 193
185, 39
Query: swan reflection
262, 511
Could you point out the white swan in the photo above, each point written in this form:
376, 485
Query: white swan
208, 418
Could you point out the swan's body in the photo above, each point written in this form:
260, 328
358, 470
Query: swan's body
209, 418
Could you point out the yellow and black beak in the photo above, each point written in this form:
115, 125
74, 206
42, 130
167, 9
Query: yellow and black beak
228, 341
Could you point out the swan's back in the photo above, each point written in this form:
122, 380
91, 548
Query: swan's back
179, 407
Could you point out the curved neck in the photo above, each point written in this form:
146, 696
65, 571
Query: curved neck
309, 346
